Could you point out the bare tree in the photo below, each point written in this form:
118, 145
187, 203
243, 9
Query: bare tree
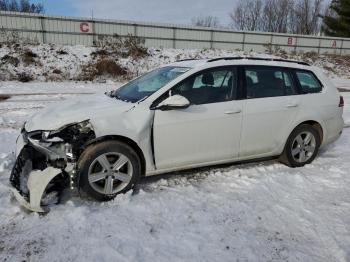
282, 16
206, 21
305, 17
276, 15
4, 4
13, 5
21, 6
24, 6
247, 15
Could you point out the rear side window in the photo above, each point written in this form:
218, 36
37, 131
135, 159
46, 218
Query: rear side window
265, 81
308, 82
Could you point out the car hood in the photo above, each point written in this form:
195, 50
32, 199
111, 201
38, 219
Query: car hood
75, 110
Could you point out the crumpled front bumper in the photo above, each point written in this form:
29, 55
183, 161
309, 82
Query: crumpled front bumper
29, 184
37, 183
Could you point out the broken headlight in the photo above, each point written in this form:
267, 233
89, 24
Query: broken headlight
64, 144
72, 129
73, 136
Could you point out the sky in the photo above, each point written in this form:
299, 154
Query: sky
166, 11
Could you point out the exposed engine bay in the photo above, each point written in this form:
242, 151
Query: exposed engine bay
46, 163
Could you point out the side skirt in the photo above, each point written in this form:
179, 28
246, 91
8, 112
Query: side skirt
209, 164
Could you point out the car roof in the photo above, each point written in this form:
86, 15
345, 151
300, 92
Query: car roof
227, 61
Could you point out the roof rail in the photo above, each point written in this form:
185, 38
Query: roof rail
259, 59
225, 58
189, 59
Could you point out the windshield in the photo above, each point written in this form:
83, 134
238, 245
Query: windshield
147, 84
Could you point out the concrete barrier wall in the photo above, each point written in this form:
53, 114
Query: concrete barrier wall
87, 31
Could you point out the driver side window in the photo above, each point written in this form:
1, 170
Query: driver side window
210, 86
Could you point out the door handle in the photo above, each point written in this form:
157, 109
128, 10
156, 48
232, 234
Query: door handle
292, 105
231, 112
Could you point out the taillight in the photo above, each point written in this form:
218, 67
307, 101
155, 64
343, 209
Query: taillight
341, 101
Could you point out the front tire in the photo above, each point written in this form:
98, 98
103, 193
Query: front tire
302, 146
107, 169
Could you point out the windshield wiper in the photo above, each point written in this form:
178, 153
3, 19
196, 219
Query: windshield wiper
142, 99
116, 96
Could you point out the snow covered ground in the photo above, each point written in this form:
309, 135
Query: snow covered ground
254, 212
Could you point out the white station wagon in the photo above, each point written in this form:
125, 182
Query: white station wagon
188, 114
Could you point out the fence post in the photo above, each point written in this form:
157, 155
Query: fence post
174, 37
271, 42
211, 39
94, 42
341, 47
243, 42
319, 46
135, 30
43, 31
296, 44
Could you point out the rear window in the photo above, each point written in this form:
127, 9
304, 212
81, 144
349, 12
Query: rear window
308, 82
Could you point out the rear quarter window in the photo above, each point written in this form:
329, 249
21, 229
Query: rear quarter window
308, 82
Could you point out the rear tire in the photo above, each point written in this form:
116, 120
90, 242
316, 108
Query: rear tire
107, 169
302, 146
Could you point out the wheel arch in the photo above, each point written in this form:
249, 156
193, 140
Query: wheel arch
314, 124
284, 158
125, 140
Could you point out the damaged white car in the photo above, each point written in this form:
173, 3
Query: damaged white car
188, 114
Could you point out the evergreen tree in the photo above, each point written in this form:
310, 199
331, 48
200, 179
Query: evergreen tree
337, 19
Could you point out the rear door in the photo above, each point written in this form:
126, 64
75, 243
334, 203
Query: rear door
271, 106
208, 130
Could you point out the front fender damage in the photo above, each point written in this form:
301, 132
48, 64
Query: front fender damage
46, 163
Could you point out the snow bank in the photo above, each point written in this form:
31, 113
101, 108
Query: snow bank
60, 63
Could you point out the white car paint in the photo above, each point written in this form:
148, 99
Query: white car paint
265, 123
182, 137
198, 134
75, 110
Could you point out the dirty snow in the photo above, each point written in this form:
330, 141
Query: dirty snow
49, 62
254, 212
342, 83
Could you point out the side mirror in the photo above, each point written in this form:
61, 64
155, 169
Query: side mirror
173, 102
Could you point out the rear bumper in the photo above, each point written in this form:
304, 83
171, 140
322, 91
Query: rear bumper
333, 138
334, 130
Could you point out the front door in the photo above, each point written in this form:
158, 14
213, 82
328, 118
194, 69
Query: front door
207, 131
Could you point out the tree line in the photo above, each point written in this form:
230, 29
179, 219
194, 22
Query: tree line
24, 6
306, 17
